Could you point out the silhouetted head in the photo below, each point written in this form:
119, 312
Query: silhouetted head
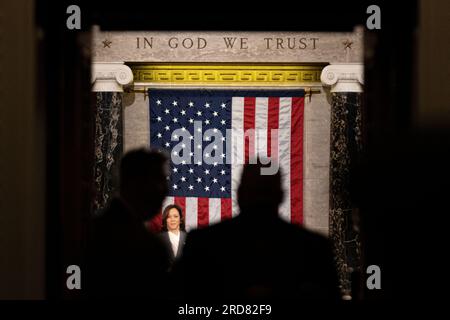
172, 215
259, 193
143, 182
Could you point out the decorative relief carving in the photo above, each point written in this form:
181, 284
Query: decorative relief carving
250, 75
343, 77
110, 77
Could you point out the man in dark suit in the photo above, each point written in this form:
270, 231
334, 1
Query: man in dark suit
124, 259
257, 255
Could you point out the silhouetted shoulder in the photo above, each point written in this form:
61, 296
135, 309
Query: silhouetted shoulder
212, 230
309, 235
124, 259
268, 258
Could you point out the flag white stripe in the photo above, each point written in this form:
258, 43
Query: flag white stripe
237, 149
191, 213
284, 144
214, 210
261, 115
168, 201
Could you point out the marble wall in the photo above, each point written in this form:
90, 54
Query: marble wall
316, 162
346, 148
108, 146
136, 130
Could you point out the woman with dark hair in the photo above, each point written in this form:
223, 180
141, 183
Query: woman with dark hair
173, 232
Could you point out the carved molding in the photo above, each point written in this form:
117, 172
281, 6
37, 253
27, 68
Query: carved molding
204, 74
110, 76
343, 77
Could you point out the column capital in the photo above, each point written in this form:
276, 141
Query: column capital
343, 77
110, 76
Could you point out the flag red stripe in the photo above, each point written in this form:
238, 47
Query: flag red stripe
202, 212
181, 201
297, 160
272, 121
155, 224
225, 208
249, 123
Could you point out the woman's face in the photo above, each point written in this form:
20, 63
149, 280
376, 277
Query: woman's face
173, 220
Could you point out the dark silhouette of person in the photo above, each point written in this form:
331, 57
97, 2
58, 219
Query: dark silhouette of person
173, 232
257, 255
124, 258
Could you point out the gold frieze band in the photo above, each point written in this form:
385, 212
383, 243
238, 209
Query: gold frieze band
214, 74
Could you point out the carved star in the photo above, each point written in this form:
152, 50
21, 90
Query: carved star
106, 43
348, 44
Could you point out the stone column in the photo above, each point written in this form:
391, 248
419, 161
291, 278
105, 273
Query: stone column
346, 82
108, 80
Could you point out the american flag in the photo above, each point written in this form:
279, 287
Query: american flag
208, 136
